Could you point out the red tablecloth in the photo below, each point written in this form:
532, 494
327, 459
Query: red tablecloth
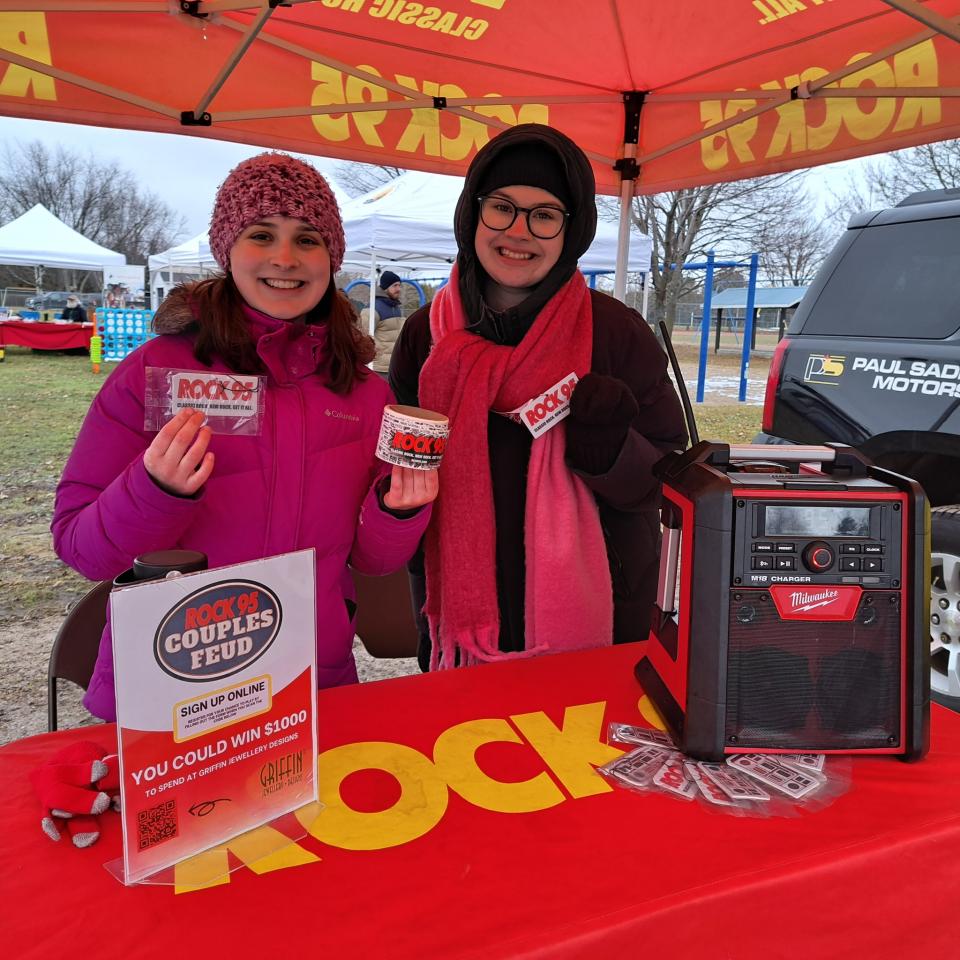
45, 336
499, 840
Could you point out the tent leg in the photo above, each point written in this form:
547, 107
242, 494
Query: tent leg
629, 171
373, 297
623, 235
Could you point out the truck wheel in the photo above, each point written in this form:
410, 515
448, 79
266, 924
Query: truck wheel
945, 606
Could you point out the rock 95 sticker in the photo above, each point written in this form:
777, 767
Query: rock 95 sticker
218, 631
553, 405
214, 393
231, 402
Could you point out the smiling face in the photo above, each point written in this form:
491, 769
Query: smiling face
514, 259
281, 267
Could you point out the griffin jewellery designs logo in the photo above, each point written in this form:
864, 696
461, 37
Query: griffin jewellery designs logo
218, 631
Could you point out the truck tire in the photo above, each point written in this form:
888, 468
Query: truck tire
945, 606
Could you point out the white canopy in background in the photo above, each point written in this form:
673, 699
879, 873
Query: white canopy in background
192, 255
39, 239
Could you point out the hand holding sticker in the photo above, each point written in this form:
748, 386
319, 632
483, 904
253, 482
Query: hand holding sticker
178, 460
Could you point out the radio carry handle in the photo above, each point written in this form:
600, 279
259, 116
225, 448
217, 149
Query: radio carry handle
834, 459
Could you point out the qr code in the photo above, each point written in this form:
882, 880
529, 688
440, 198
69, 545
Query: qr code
157, 824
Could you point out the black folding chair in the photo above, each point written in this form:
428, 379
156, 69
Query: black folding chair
75, 648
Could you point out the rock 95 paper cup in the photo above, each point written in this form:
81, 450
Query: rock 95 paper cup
412, 437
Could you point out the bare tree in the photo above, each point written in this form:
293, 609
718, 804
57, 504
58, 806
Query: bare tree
886, 181
728, 218
98, 199
360, 178
933, 166
793, 246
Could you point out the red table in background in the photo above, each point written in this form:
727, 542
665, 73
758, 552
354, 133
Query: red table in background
44, 336
464, 820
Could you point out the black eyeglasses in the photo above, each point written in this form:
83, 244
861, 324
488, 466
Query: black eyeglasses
499, 213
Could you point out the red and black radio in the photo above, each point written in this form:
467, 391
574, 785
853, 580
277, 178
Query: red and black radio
793, 603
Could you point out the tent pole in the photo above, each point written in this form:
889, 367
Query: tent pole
623, 234
928, 18
646, 292
250, 34
629, 171
373, 293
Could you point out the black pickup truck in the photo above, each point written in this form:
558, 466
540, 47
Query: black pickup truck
872, 359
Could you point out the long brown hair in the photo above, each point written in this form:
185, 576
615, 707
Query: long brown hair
222, 331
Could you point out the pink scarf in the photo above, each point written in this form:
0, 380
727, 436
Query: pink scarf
569, 598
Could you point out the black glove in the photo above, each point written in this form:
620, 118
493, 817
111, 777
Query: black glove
601, 411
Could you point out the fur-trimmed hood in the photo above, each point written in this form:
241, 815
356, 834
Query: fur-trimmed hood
175, 314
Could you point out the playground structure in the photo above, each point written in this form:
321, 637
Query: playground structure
709, 265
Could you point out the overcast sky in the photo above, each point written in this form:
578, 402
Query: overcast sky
186, 171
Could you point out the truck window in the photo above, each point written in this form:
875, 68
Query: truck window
900, 280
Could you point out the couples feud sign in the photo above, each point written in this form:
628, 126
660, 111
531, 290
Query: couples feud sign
215, 678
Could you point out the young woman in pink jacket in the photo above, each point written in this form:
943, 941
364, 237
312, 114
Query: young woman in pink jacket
298, 472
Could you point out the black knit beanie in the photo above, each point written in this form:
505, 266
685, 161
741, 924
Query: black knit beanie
528, 165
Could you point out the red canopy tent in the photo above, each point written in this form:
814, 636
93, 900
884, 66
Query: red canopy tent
660, 95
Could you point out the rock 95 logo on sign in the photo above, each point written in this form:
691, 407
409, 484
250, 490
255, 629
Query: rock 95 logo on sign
218, 631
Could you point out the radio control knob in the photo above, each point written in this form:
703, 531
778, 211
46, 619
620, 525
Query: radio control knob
818, 557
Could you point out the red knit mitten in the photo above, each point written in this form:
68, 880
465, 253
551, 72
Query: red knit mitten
74, 786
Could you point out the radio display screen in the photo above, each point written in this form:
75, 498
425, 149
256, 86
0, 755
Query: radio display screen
811, 521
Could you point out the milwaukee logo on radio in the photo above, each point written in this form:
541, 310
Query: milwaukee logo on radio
816, 603
808, 600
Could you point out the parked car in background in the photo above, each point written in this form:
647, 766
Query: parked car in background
57, 300
48, 300
872, 359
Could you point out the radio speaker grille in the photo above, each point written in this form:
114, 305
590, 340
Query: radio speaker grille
813, 685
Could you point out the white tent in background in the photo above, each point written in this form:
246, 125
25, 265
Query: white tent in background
39, 239
193, 254
407, 222
192, 257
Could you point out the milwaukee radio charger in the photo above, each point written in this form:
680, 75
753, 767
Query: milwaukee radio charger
793, 604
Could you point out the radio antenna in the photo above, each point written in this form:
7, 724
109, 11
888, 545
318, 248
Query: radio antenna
681, 386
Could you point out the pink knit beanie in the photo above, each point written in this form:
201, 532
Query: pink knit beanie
274, 185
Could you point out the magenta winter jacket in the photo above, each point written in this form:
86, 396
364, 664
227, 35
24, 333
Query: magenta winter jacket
306, 481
